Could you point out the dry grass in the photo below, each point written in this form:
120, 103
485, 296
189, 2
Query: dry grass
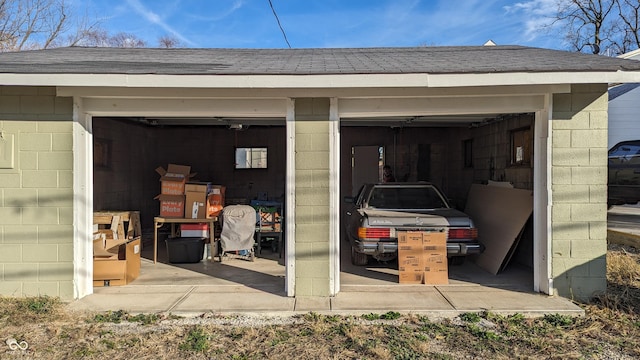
610, 330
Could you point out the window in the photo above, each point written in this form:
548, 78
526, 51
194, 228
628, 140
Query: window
251, 158
521, 146
467, 149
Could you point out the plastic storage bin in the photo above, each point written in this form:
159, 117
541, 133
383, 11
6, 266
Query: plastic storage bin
185, 249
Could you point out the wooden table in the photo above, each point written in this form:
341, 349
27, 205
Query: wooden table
159, 221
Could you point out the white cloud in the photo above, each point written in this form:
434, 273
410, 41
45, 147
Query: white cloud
537, 16
154, 18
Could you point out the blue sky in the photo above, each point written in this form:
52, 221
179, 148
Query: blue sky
330, 23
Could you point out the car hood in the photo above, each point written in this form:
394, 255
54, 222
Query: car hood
436, 217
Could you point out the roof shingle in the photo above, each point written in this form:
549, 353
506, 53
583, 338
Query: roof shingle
428, 60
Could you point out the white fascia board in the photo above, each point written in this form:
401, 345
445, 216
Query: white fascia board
524, 78
354, 93
332, 81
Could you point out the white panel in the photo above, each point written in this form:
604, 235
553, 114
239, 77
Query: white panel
7, 150
186, 107
365, 166
440, 106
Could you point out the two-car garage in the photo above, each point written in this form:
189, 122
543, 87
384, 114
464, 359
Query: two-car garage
455, 116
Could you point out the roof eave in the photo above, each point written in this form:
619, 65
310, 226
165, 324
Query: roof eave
320, 81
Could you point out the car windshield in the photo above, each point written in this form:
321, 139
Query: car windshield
406, 198
625, 150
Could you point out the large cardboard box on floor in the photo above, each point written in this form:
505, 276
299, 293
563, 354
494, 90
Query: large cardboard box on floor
422, 258
434, 246
117, 265
410, 259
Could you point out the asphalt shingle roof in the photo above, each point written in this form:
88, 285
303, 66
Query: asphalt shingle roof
431, 60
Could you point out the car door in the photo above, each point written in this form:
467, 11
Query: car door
624, 171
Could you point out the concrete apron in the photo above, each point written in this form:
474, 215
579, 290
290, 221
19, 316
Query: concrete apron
244, 287
239, 286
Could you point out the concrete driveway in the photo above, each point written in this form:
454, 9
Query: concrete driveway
623, 223
240, 286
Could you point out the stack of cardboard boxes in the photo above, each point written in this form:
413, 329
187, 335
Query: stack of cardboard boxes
422, 258
181, 198
172, 197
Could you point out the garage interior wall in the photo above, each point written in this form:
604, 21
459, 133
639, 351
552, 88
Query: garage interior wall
129, 180
36, 193
492, 149
579, 191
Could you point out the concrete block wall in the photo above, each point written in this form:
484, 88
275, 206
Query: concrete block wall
312, 214
36, 193
579, 190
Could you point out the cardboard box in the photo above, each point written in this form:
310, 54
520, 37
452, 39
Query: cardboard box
195, 206
422, 258
435, 258
171, 206
410, 238
173, 179
410, 267
194, 230
436, 276
199, 187
204, 200
215, 200
410, 259
118, 265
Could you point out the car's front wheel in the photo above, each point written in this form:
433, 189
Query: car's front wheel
358, 259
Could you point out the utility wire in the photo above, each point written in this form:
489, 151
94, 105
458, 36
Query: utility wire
279, 25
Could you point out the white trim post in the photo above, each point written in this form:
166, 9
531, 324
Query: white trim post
542, 200
334, 197
290, 206
82, 201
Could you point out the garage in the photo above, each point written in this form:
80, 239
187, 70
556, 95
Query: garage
127, 150
452, 152
456, 116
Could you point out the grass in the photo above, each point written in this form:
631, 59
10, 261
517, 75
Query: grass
610, 329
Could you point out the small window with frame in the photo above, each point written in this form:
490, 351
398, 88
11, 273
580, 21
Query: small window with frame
521, 146
251, 158
467, 153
